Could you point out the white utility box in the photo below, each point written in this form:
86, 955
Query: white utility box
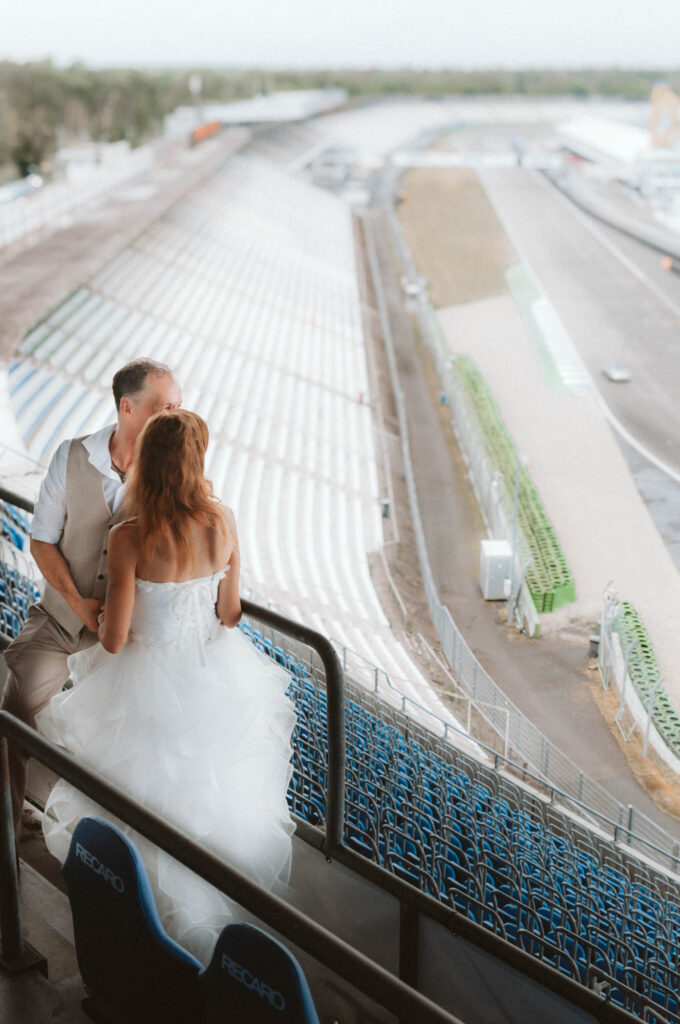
494, 571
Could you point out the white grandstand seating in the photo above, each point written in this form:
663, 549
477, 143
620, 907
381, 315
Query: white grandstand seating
248, 287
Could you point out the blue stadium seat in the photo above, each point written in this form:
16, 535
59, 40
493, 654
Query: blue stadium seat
128, 963
12, 534
10, 623
253, 979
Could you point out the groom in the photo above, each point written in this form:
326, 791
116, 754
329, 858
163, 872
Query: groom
80, 500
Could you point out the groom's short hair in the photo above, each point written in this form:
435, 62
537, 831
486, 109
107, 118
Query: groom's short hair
130, 379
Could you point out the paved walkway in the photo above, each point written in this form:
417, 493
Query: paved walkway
604, 526
548, 679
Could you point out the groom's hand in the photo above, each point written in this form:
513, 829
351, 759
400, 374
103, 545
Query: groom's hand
89, 610
54, 568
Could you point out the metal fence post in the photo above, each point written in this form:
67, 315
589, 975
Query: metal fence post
650, 710
626, 659
515, 509
10, 920
610, 610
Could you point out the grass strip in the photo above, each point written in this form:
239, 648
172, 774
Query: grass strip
548, 577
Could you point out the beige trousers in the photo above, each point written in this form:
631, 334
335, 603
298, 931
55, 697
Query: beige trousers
36, 660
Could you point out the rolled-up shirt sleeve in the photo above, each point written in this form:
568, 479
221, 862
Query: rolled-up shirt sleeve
50, 508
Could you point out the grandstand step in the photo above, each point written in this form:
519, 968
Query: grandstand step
46, 925
31, 997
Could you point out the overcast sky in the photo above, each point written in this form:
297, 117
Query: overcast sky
350, 33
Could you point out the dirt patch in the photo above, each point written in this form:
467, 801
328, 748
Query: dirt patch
653, 774
396, 573
400, 550
455, 238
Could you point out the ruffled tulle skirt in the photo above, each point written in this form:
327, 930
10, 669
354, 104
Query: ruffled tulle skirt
200, 734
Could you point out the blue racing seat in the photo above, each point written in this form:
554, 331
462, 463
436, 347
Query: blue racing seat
132, 970
252, 977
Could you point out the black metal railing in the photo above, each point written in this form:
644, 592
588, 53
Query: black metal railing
16, 499
335, 798
361, 972
335, 697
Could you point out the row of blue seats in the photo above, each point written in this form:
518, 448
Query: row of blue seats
307, 791
15, 536
17, 591
16, 599
542, 882
133, 971
11, 620
17, 594
17, 515
15, 582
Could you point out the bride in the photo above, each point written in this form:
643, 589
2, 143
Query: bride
174, 705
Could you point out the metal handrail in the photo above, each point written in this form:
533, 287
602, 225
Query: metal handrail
16, 499
335, 686
335, 697
332, 952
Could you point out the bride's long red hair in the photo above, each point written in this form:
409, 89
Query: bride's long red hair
167, 489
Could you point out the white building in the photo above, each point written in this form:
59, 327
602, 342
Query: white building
623, 151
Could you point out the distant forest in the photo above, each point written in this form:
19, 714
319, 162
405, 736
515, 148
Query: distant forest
43, 106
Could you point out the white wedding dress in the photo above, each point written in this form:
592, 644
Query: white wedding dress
193, 721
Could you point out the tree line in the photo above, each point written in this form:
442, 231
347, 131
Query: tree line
43, 106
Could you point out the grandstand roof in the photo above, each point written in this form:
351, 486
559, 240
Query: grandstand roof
599, 138
274, 108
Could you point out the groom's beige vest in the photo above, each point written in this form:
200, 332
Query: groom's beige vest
84, 539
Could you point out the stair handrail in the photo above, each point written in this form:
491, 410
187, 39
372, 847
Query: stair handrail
356, 968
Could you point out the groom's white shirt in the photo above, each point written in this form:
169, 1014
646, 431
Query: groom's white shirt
50, 508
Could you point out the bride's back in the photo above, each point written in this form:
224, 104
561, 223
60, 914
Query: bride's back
178, 528
210, 549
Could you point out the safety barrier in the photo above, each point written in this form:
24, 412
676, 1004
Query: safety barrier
626, 657
548, 577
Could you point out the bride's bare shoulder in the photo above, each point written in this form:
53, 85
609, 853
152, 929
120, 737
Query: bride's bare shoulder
229, 533
124, 537
230, 520
226, 513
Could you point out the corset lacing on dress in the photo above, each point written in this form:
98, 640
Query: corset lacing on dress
177, 613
